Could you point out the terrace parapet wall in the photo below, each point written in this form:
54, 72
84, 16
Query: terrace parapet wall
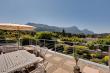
83, 63
102, 68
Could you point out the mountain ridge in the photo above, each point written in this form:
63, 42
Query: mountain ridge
72, 29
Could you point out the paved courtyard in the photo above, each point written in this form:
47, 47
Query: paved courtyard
59, 63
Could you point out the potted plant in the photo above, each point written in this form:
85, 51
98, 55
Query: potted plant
76, 67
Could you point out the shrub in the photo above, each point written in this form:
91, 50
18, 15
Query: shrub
98, 55
43, 35
80, 49
49, 44
27, 40
91, 44
106, 58
93, 55
68, 43
68, 49
72, 39
59, 48
96, 60
102, 42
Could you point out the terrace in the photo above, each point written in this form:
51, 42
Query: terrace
48, 56
58, 62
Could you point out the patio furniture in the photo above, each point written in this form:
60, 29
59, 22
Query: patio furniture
0, 49
18, 27
29, 48
41, 68
44, 65
43, 51
36, 52
14, 61
11, 48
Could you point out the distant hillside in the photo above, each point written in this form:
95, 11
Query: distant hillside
86, 31
73, 29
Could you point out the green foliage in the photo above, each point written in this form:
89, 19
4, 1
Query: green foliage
82, 51
44, 35
63, 32
2, 35
64, 38
93, 55
100, 42
96, 60
44, 39
59, 48
27, 40
98, 55
80, 47
72, 39
91, 44
106, 59
68, 49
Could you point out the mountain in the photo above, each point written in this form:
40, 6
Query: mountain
73, 29
86, 31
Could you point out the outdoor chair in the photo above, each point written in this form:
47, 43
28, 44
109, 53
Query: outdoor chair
8, 48
44, 65
39, 69
38, 48
43, 52
25, 70
18, 72
0, 49
37, 51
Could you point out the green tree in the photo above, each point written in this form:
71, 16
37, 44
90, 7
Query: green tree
44, 35
44, 39
63, 32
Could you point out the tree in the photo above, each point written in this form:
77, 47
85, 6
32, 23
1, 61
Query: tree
63, 32
44, 39
44, 35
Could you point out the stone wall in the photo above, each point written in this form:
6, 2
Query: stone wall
102, 68
82, 63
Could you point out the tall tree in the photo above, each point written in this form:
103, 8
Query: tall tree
63, 32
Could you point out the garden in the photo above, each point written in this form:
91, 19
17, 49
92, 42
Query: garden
95, 50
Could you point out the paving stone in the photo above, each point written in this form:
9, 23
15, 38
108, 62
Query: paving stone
49, 65
57, 58
60, 70
48, 55
69, 63
90, 70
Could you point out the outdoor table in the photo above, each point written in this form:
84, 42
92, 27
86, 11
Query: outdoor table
17, 60
29, 49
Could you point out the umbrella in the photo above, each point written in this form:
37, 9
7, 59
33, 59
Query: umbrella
18, 27
9, 26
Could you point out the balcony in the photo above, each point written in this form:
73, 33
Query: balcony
60, 62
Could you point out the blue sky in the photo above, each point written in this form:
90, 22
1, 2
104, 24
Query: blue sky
91, 14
